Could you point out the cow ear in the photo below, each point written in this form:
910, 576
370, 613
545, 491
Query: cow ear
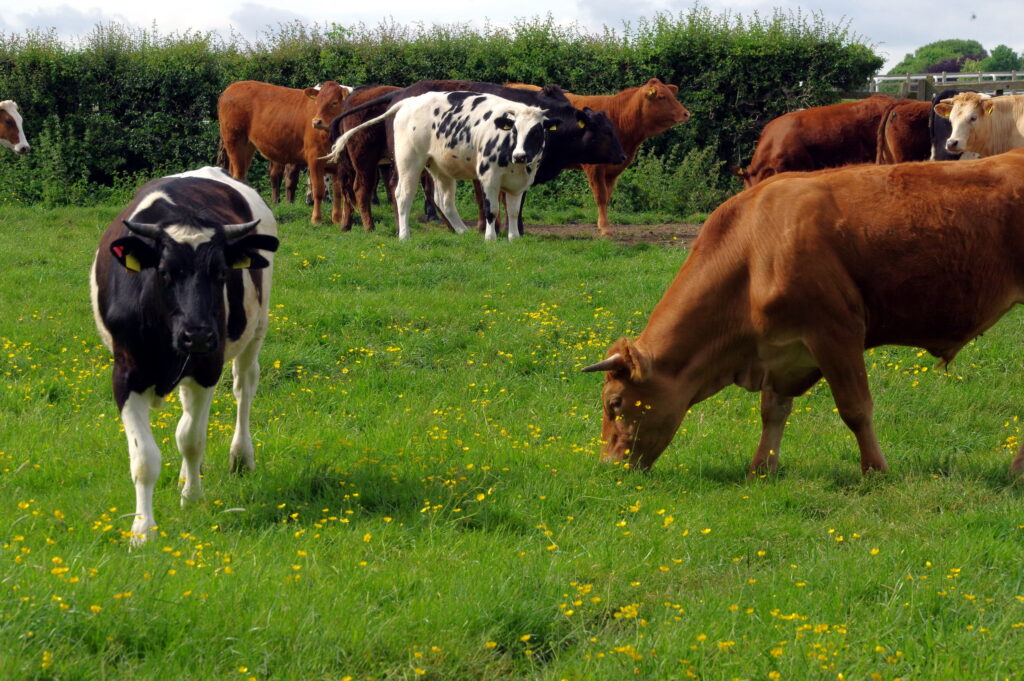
311, 92
673, 88
989, 107
504, 122
943, 109
551, 124
581, 117
738, 171
242, 253
134, 254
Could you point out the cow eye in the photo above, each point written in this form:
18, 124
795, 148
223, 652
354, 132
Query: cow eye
615, 405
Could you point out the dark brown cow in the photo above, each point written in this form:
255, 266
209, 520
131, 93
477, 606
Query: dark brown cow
904, 134
792, 280
285, 125
819, 137
637, 113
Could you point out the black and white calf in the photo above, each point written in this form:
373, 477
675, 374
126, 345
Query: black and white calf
463, 136
12, 132
179, 286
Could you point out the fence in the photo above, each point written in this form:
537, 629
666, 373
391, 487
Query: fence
923, 85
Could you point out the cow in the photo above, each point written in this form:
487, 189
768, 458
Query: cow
982, 124
12, 134
459, 136
940, 129
819, 137
179, 286
793, 279
637, 114
904, 134
582, 136
285, 125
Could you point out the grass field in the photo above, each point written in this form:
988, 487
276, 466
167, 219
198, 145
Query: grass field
428, 502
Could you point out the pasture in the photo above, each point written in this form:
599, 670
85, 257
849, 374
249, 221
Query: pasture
428, 502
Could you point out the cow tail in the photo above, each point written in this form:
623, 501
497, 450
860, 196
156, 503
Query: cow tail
339, 144
883, 154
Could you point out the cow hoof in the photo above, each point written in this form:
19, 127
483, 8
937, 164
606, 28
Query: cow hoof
192, 498
143, 529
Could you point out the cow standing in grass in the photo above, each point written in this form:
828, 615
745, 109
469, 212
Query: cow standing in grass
793, 279
463, 136
179, 286
12, 133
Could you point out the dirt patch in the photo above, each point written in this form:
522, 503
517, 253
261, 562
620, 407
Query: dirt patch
669, 234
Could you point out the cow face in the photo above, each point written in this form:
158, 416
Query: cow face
968, 112
12, 134
598, 138
524, 134
328, 97
659, 106
186, 269
642, 408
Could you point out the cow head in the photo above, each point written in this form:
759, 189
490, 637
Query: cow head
642, 407
659, 108
328, 97
522, 134
186, 269
970, 114
12, 134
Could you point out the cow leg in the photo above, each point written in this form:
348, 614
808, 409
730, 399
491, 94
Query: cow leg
316, 185
337, 199
408, 181
513, 204
775, 409
602, 182
240, 152
491, 206
276, 172
291, 181
191, 437
365, 187
842, 364
246, 372
444, 197
481, 220
145, 462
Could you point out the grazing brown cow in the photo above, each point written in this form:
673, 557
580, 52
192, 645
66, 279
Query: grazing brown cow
793, 279
904, 134
637, 113
982, 124
285, 125
816, 138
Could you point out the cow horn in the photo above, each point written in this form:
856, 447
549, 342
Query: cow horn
235, 231
142, 229
616, 361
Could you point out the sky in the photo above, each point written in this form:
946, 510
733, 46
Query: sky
892, 28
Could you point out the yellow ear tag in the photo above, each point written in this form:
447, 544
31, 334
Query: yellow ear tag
553, 127
989, 108
132, 264
652, 92
581, 124
506, 127
243, 263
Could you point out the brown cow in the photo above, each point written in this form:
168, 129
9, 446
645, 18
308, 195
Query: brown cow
12, 134
819, 137
637, 113
285, 125
793, 279
904, 134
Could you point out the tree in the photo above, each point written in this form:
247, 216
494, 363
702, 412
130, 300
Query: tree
1003, 59
943, 55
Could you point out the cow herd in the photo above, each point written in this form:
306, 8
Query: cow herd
789, 281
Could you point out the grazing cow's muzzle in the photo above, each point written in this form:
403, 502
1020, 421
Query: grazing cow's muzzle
22, 148
521, 158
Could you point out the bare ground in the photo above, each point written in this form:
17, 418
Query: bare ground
668, 234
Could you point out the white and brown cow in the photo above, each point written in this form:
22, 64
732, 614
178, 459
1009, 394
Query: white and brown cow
179, 287
982, 124
12, 133
463, 136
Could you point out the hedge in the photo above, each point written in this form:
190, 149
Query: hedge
122, 103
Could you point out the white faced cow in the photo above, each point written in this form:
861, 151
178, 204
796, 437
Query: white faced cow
179, 286
982, 124
463, 136
12, 134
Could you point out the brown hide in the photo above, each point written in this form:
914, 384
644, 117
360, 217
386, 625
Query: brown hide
638, 113
795, 278
903, 134
366, 150
285, 125
819, 137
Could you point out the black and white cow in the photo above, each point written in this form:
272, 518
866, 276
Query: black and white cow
179, 286
12, 132
463, 136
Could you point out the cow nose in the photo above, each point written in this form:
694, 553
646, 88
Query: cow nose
22, 148
318, 123
198, 340
952, 144
520, 158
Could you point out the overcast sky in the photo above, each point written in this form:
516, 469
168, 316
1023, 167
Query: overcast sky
894, 28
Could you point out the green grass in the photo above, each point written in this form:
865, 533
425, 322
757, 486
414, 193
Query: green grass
428, 502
